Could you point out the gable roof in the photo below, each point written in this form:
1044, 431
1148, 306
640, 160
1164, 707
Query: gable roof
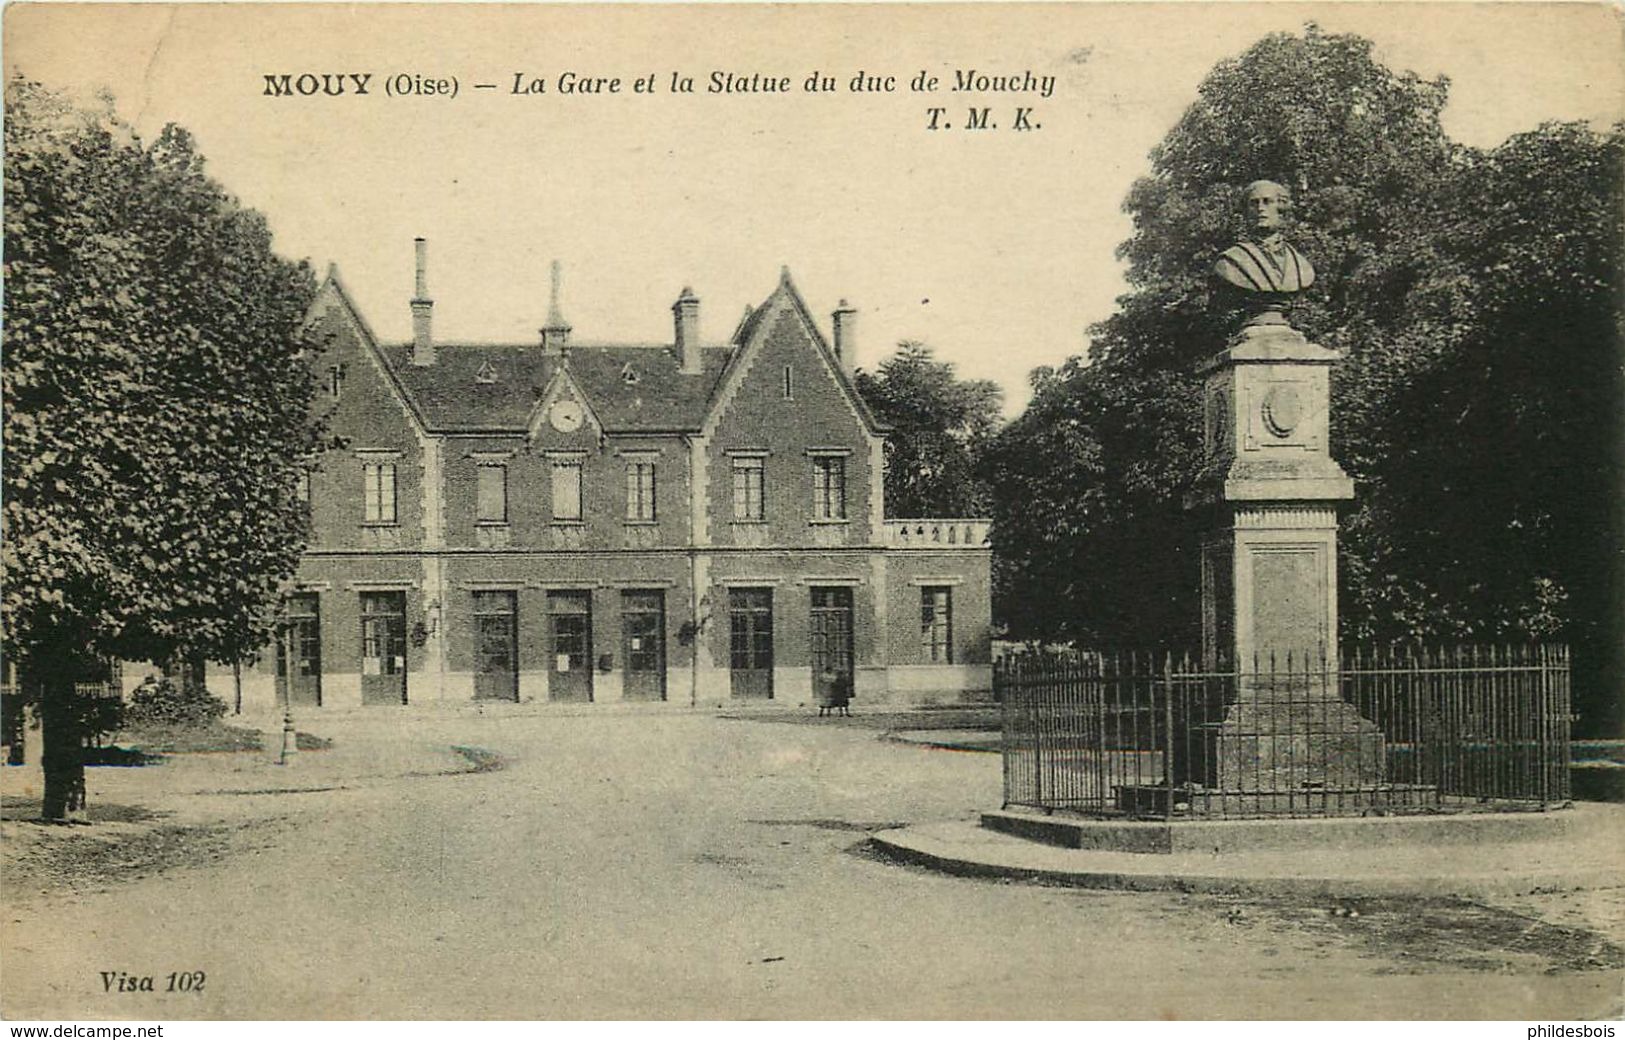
332, 294
755, 326
496, 387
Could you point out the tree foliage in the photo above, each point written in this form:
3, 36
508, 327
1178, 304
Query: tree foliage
157, 399
1475, 295
940, 427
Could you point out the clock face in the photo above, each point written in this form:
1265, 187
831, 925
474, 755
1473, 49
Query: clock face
565, 416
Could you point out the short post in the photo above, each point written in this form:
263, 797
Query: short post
290, 742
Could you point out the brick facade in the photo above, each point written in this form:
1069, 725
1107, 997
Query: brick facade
571, 521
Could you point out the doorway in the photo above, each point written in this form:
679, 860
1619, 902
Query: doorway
299, 652
496, 646
832, 644
570, 635
643, 644
750, 642
383, 648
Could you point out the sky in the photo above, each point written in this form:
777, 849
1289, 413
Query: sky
996, 247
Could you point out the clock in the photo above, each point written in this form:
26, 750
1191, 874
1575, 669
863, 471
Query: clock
565, 416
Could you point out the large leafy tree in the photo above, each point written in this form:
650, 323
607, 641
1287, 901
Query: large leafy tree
157, 410
940, 424
1475, 295
1362, 149
1490, 425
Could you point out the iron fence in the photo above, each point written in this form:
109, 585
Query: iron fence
1161, 736
16, 695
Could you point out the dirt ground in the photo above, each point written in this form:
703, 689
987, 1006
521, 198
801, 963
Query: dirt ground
686, 866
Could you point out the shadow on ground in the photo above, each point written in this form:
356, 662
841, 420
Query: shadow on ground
1420, 935
1411, 936
26, 809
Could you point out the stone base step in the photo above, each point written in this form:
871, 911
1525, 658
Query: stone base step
1211, 836
1161, 801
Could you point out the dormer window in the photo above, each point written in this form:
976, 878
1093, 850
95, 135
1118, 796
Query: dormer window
487, 374
629, 375
789, 383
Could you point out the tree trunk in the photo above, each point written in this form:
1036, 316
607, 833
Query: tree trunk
62, 753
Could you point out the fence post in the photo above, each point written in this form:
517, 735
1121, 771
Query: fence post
1038, 748
1001, 692
1168, 729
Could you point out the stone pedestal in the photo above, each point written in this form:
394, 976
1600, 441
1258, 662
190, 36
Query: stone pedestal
1319, 742
1269, 577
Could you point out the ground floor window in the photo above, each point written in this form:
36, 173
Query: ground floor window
937, 624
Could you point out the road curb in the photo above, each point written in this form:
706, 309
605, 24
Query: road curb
964, 849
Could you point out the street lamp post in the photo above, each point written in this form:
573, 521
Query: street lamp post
290, 743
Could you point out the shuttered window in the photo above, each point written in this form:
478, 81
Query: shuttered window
493, 494
567, 490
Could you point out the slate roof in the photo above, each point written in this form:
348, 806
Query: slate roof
449, 395
452, 396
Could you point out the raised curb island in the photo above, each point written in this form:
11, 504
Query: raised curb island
1462, 856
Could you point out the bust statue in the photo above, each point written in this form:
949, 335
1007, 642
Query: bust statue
1264, 267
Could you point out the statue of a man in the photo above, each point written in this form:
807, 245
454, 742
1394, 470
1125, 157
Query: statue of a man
1265, 267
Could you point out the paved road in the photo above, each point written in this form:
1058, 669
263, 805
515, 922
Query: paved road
693, 867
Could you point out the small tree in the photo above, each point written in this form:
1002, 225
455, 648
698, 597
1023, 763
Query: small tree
157, 402
940, 427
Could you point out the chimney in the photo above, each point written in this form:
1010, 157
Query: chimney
846, 345
687, 313
422, 309
556, 333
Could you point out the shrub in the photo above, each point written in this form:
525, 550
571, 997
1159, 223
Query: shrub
99, 717
158, 701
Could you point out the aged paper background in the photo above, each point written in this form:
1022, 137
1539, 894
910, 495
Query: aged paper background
996, 247
1008, 235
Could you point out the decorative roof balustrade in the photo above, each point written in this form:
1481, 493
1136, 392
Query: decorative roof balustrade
937, 534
